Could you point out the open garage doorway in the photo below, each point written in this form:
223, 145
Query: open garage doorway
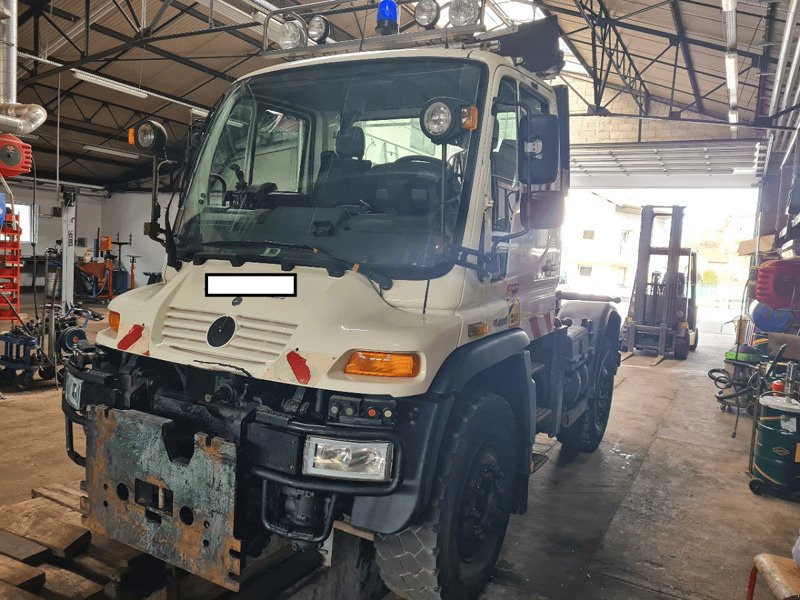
601, 239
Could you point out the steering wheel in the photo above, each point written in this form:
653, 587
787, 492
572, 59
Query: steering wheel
221, 179
431, 160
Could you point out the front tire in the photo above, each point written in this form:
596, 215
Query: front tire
450, 554
586, 433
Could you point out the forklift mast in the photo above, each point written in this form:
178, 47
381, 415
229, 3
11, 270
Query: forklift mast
662, 313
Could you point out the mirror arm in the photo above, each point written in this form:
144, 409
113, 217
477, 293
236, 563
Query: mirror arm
506, 238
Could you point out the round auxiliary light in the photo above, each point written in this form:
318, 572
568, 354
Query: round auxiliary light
426, 13
319, 28
464, 12
148, 135
437, 119
293, 35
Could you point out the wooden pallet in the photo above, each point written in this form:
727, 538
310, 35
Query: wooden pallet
45, 552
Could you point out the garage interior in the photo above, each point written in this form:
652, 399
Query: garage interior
672, 102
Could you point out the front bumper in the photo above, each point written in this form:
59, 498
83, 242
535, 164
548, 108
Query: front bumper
200, 510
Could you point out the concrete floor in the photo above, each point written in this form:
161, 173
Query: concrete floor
660, 511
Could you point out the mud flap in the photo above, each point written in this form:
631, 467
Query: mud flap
178, 510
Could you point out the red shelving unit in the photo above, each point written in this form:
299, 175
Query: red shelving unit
10, 263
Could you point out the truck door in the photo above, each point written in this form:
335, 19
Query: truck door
521, 294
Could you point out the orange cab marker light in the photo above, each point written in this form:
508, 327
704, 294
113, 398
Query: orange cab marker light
132, 136
383, 364
113, 320
469, 118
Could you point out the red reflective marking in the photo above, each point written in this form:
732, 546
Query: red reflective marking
130, 338
299, 367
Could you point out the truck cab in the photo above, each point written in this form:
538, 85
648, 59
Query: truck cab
411, 201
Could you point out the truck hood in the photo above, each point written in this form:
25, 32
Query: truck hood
303, 340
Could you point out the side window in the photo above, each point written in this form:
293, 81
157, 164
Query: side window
505, 186
230, 151
278, 153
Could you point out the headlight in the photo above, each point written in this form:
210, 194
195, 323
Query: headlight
293, 35
437, 119
464, 12
348, 459
426, 13
72, 391
318, 29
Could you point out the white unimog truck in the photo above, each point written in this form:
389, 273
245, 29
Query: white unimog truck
358, 319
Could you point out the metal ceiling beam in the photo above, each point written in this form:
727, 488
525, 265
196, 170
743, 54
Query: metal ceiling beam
680, 30
610, 52
129, 43
627, 25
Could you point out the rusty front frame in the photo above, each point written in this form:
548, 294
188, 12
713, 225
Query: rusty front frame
181, 511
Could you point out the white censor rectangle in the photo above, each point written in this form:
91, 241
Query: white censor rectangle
272, 284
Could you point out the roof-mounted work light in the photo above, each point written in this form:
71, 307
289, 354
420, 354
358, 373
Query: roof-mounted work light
319, 28
387, 18
464, 12
426, 13
292, 34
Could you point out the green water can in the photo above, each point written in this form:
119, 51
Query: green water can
776, 463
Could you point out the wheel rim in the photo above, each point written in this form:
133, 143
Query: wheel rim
605, 390
481, 507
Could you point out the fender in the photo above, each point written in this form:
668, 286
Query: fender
606, 323
389, 514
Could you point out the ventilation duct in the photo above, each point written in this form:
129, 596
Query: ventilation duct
17, 119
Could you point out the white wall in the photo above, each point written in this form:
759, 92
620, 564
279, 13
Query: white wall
88, 220
126, 213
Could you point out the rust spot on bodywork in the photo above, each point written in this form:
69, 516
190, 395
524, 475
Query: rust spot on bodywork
299, 367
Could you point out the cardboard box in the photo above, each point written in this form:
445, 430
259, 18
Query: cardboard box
748, 247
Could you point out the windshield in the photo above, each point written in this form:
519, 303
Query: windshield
334, 157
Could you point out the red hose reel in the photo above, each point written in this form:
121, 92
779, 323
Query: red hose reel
15, 156
778, 284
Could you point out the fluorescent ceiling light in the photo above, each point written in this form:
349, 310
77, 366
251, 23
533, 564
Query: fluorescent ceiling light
110, 84
733, 117
732, 70
199, 112
111, 152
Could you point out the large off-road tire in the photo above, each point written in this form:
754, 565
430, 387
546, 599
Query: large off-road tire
586, 433
450, 553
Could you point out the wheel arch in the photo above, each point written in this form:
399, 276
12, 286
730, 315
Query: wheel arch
499, 364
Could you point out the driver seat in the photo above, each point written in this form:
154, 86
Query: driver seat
339, 179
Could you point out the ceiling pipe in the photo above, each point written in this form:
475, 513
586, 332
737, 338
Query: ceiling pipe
786, 42
17, 119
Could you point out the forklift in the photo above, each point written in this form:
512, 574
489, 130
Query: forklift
662, 316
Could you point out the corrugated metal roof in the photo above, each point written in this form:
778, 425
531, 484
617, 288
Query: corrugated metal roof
197, 69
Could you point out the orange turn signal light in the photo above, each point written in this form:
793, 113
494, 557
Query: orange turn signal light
132, 136
469, 118
113, 320
383, 364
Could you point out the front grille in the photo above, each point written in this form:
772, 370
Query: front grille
256, 341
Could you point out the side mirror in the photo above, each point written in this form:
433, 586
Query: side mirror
538, 149
542, 210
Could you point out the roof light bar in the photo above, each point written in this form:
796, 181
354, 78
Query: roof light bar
466, 19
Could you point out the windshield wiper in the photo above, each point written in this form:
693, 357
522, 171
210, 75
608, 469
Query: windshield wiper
382, 280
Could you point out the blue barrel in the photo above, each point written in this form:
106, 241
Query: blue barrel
777, 454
